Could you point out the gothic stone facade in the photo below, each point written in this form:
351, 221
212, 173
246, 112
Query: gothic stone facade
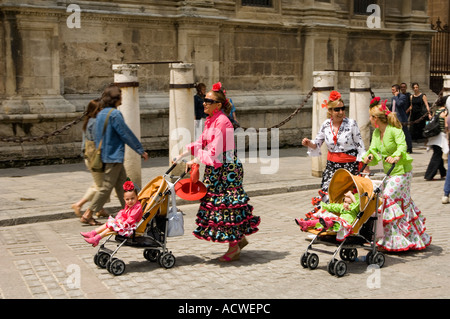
56, 57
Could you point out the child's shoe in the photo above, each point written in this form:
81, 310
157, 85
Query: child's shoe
93, 240
89, 234
305, 224
326, 223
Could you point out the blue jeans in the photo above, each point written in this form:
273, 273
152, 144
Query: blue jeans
447, 180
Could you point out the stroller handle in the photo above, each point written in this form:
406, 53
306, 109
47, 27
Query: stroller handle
390, 170
184, 173
173, 166
378, 188
370, 157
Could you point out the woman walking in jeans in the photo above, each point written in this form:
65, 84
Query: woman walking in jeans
117, 134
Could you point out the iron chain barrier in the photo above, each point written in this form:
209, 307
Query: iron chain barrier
44, 136
79, 119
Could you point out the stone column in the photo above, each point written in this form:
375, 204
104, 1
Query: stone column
125, 76
360, 98
324, 84
446, 85
181, 109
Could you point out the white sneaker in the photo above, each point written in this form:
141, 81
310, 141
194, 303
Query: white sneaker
445, 200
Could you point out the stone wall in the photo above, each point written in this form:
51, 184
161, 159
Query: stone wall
264, 56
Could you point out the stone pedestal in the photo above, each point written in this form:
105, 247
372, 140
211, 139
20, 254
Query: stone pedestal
324, 84
360, 98
446, 85
181, 110
125, 76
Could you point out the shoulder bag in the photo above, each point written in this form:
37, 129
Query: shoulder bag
95, 160
432, 128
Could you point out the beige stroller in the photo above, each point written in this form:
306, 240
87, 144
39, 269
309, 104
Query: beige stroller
151, 232
363, 228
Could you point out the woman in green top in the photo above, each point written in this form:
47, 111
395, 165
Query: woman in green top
404, 224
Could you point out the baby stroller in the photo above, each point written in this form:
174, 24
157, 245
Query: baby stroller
151, 232
364, 227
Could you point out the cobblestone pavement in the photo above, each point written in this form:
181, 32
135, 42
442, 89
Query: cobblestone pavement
51, 260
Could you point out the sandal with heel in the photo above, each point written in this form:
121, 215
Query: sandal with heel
232, 255
243, 242
91, 221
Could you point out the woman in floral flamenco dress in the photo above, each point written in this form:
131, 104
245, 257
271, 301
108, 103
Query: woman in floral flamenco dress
224, 215
404, 224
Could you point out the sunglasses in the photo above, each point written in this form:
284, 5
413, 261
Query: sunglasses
209, 101
338, 109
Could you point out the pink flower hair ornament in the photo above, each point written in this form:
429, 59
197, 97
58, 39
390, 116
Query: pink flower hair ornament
128, 186
384, 108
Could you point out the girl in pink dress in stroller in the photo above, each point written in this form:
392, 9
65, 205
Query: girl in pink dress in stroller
125, 221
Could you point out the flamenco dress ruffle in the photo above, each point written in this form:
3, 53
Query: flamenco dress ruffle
342, 228
224, 214
403, 223
120, 227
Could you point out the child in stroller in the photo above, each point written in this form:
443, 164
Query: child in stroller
334, 216
125, 221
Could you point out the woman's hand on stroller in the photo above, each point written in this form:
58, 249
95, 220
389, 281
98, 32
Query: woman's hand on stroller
368, 159
392, 160
178, 159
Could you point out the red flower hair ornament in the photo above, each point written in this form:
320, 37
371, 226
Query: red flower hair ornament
334, 96
128, 186
217, 87
375, 101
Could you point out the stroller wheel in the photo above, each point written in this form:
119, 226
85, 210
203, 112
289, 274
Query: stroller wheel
340, 268
352, 254
116, 267
152, 255
101, 259
330, 266
312, 261
348, 254
343, 253
167, 260
369, 258
378, 259
303, 260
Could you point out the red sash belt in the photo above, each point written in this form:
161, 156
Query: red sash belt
340, 157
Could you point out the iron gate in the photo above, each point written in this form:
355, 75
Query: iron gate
440, 56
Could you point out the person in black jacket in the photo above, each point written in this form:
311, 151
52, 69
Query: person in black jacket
199, 112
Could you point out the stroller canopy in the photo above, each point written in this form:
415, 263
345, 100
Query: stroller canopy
344, 181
